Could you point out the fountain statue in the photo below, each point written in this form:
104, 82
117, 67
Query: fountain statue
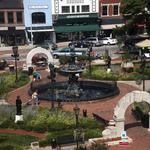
74, 89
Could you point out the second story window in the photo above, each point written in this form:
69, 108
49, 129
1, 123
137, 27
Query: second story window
38, 17
2, 21
78, 8
19, 17
105, 10
10, 17
65, 9
115, 10
73, 9
85, 8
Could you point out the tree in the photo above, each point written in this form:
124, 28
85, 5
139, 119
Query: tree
134, 11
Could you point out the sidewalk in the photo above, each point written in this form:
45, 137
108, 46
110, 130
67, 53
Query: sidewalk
9, 48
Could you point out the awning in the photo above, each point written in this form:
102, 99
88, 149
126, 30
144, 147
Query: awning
143, 44
79, 28
44, 30
111, 26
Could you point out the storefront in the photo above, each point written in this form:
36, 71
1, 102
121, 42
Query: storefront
108, 24
12, 36
77, 26
38, 21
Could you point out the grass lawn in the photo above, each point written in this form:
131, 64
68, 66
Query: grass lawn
15, 142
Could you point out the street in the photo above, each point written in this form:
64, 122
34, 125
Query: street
112, 49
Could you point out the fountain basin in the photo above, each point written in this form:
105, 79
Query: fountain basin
91, 90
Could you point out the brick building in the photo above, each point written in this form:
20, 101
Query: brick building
110, 15
11, 23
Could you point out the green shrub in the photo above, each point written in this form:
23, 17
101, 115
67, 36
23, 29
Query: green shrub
15, 142
93, 133
7, 81
10, 147
44, 142
100, 75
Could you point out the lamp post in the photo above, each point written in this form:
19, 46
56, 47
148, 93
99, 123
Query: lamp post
146, 13
143, 63
76, 111
16, 56
89, 54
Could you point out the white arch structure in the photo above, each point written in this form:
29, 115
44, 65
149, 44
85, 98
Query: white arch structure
36, 51
118, 121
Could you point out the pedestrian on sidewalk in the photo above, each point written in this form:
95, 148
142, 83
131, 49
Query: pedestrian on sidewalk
35, 98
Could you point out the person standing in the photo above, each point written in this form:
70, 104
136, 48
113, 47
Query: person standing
18, 106
35, 98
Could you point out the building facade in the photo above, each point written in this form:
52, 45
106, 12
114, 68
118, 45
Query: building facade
110, 16
75, 19
11, 23
38, 21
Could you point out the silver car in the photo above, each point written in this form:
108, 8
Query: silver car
95, 41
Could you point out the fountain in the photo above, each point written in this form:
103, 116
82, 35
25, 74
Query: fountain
74, 89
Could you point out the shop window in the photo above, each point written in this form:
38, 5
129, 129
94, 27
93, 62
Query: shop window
2, 21
38, 17
85, 8
19, 17
105, 10
73, 9
78, 8
65, 9
115, 10
10, 17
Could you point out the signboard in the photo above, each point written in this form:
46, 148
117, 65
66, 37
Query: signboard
38, 7
124, 139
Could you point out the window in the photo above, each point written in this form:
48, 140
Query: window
19, 17
105, 10
10, 17
115, 10
2, 17
73, 9
65, 9
78, 8
38, 17
85, 8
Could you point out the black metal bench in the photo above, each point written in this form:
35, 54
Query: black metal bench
66, 139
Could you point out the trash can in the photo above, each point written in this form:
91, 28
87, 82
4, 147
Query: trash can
30, 71
11, 68
53, 143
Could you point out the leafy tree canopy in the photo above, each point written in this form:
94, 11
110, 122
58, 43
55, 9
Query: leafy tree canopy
134, 6
134, 11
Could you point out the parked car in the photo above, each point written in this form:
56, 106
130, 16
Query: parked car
94, 40
47, 44
67, 52
79, 44
109, 41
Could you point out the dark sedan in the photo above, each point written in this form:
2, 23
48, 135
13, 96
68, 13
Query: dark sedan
79, 44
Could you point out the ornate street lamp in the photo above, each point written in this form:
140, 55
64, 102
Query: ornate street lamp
89, 54
77, 111
146, 14
16, 56
143, 63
